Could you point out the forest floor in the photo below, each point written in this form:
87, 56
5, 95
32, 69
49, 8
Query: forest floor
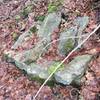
14, 85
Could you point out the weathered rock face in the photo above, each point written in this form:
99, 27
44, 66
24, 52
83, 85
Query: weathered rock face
74, 70
27, 59
50, 23
66, 74
67, 38
66, 43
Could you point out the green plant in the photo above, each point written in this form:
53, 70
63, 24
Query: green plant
53, 67
14, 35
17, 17
33, 29
53, 6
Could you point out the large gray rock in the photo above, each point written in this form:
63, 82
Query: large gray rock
66, 43
21, 39
50, 23
74, 70
26, 60
36, 70
66, 74
30, 55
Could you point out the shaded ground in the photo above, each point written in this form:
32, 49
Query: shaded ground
14, 85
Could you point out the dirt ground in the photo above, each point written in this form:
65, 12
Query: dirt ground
15, 85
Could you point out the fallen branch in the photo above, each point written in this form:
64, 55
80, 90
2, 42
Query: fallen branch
34, 98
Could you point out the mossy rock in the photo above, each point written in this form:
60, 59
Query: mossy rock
54, 66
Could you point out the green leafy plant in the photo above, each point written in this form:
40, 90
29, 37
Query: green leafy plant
53, 6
